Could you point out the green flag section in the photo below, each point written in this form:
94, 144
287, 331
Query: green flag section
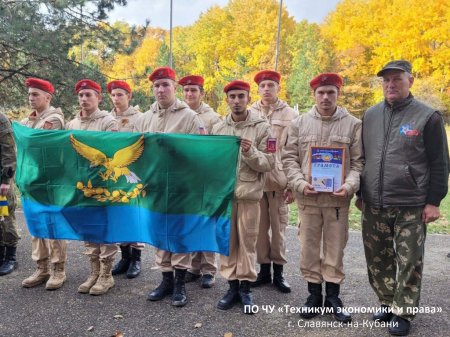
171, 191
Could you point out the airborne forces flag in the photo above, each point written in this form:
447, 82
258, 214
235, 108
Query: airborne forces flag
171, 191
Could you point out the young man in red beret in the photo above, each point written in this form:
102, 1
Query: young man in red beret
323, 216
271, 245
91, 117
169, 115
126, 116
44, 116
239, 267
203, 263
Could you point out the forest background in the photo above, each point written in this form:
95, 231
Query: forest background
64, 41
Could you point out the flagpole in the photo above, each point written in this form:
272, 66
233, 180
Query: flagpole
278, 35
170, 52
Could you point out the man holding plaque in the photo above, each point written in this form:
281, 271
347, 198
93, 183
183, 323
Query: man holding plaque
324, 143
271, 243
405, 180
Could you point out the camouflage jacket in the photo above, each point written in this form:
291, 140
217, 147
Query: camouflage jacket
7, 150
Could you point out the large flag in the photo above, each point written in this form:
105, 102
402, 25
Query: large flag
172, 191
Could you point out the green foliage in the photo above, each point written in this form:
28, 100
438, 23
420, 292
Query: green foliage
37, 38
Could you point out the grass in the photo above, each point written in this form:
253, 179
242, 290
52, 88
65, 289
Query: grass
440, 226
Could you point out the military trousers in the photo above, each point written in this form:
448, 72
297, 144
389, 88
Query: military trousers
167, 261
9, 235
240, 264
394, 243
134, 245
323, 234
271, 242
43, 249
203, 263
100, 250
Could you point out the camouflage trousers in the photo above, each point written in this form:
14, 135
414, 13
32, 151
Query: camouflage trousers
394, 242
9, 235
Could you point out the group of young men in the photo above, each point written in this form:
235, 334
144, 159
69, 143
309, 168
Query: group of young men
401, 140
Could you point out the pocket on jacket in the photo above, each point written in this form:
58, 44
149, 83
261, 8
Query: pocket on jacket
248, 176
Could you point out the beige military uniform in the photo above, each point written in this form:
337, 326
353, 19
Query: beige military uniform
43, 249
323, 217
205, 262
97, 121
178, 118
208, 116
271, 243
241, 262
127, 121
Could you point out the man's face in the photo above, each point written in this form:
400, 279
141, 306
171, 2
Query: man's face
326, 99
89, 100
238, 100
120, 98
39, 100
164, 91
192, 95
396, 85
268, 90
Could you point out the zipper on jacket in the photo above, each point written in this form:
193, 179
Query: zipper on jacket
383, 157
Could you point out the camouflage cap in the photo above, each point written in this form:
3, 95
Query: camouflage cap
396, 65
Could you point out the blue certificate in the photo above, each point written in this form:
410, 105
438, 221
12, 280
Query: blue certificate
327, 168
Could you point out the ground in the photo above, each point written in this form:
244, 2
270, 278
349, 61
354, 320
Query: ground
37, 312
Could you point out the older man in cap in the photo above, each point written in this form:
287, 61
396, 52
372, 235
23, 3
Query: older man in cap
323, 215
239, 267
90, 117
9, 236
271, 245
203, 263
126, 116
403, 184
169, 115
45, 116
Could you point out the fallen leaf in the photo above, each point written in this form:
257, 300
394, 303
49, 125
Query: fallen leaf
118, 317
91, 328
198, 325
228, 334
118, 334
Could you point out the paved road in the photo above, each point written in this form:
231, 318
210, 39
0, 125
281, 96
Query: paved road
37, 312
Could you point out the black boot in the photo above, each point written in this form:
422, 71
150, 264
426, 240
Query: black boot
399, 326
164, 289
231, 297
278, 279
246, 297
314, 301
135, 263
2, 254
10, 263
264, 275
332, 300
122, 266
179, 298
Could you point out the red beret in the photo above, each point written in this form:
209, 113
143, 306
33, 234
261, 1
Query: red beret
237, 85
326, 79
118, 85
267, 75
37, 83
162, 72
192, 80
87, 84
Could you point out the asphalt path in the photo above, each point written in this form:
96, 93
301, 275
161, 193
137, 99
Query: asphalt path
124, 311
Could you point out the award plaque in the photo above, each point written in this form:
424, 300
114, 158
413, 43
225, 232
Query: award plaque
327, 168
